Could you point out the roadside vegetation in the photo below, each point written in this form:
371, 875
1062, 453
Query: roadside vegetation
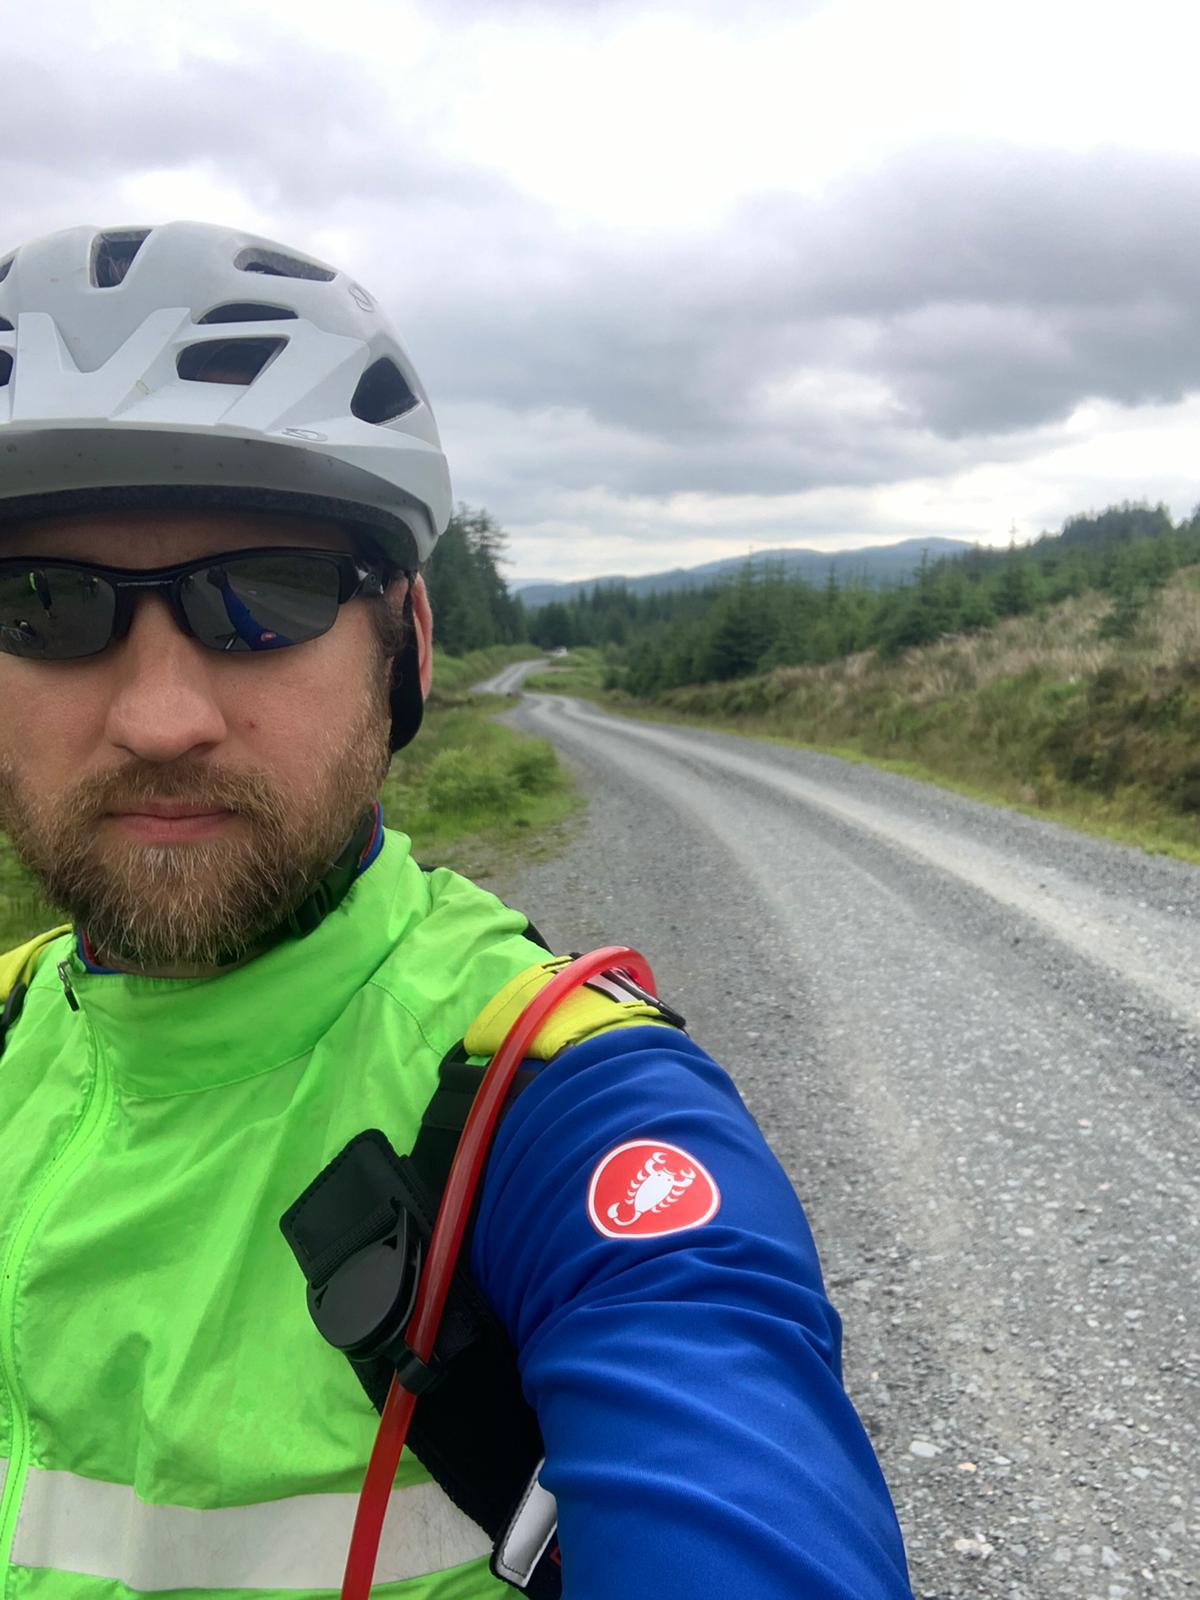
763, 618
587, 672
1058, 713
22, 912
469, 791
1061, 677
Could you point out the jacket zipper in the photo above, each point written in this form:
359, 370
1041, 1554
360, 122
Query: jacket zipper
92, 1116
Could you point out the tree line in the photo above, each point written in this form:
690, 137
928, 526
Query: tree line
763, 618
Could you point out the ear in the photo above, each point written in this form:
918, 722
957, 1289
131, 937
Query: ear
423, 622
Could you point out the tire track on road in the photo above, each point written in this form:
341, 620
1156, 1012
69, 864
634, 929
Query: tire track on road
1154, 952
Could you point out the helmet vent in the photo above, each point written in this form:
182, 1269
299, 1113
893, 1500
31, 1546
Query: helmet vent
247, 311
6, 366
278, 265
112, 256
383, 393
227, 360
6, 266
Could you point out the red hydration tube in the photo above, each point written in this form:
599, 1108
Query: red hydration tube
446, 1241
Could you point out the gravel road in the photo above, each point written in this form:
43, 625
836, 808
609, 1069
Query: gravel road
972, 1038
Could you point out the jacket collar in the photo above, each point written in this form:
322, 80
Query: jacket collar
164, 1036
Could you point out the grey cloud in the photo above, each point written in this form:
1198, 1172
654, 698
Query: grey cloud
972, 369
988, 289
992, 290
301, 130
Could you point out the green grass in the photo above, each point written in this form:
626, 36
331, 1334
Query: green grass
584, 672
454, 674
472, 794
22, 912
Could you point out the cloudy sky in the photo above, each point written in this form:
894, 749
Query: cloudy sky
688, 279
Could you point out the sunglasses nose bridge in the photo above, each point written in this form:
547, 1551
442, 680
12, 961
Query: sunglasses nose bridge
170, 590
130, 597
136, 597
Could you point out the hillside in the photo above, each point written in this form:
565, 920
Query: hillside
880, 564
1051, 712
1057, 712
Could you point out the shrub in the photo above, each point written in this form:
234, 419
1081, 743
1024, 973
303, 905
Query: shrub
534, 767
465, 781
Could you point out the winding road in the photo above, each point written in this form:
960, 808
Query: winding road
972, 1039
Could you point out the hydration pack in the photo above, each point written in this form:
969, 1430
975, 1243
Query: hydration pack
359, 1233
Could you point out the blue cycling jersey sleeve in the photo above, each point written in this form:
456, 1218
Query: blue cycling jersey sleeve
686, 1377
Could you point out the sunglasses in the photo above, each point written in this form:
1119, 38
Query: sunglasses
60, 610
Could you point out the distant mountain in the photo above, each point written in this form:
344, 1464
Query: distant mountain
880, 564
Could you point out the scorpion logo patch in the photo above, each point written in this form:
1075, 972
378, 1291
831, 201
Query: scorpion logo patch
647, 1188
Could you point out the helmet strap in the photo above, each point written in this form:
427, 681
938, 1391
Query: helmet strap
407, 701
331, 890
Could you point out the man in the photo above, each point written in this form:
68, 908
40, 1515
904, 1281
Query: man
219, 475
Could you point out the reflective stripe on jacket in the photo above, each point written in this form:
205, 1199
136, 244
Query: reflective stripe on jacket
169, 1419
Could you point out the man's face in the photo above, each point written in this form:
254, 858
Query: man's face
174, 800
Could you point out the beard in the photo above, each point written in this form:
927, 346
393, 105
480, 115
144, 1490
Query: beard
180, 908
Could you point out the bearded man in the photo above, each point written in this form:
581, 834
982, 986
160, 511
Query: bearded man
219, 476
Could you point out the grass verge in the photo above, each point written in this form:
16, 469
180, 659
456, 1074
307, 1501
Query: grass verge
456, 674
585, 672
473, 795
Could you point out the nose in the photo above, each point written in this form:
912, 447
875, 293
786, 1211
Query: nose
163, 704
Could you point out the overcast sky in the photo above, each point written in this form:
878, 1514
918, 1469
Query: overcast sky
686, 279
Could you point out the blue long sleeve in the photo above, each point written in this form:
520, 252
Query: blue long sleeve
698, 1436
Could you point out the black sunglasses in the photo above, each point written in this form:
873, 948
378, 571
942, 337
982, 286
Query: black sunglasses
59, 610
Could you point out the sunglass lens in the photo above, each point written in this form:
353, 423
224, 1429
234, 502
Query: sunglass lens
54, 613
262, 602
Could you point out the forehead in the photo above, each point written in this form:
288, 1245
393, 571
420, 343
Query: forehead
148, 538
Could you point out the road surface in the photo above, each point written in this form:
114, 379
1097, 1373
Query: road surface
972, 1039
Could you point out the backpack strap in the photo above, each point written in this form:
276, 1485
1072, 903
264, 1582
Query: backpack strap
359, 1232
16, 974
609, 1001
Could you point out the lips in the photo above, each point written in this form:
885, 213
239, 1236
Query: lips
168, 823
169, 812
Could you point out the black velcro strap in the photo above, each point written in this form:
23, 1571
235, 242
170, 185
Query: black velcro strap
446, 1115
359, 1233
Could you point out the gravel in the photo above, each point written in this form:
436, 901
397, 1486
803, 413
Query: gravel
972, 1040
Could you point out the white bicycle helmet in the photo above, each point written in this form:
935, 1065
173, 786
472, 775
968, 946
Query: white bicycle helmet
207, 365
196, 365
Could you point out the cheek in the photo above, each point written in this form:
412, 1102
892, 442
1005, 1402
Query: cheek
53, 718
291, 702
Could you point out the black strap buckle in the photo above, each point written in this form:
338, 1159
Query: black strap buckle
618, 985
356, 1234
